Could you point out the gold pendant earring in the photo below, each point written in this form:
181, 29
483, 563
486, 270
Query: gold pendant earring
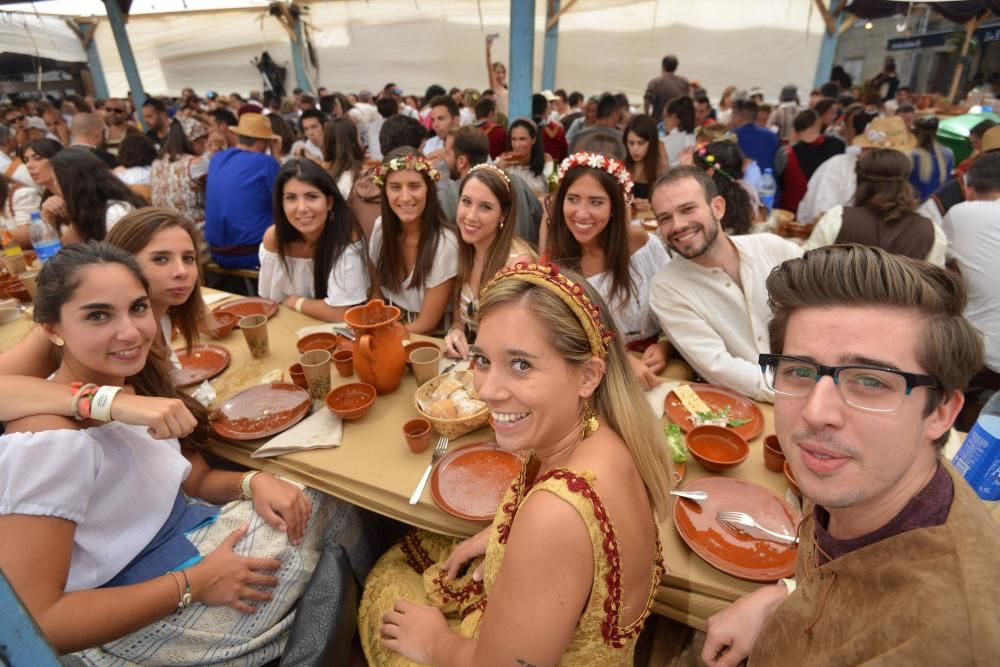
590, 423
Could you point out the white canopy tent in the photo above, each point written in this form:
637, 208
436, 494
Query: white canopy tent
613, 45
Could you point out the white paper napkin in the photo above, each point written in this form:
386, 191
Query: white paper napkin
318, 431
657, 396
215, 297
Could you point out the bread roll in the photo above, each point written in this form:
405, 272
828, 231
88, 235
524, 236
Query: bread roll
442, 409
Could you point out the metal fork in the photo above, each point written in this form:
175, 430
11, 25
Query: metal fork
742, 521
439, 451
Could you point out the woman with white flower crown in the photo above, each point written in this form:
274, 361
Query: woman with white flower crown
413, 246
589, 230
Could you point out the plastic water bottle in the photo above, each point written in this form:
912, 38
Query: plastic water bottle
978, 460
43, 238
767, 190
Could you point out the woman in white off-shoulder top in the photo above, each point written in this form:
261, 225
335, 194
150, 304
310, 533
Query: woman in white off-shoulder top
313, 258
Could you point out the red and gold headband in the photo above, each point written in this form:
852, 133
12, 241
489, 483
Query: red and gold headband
573, 295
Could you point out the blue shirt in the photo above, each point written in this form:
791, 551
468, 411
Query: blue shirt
238, 204
758, 144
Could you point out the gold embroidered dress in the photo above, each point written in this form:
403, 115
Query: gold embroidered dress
412, 570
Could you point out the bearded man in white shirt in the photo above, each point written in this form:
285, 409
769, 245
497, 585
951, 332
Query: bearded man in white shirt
710, 299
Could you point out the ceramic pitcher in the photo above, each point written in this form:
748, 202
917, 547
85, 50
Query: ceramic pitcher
379, 358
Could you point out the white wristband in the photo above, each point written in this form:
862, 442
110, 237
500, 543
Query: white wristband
789, 584
100, 406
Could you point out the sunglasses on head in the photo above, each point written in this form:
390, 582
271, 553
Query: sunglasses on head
15, 119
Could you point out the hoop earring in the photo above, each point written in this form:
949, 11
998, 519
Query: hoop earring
590, 423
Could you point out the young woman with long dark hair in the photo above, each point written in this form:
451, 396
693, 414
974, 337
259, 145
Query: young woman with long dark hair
343, 153
414, 248
590, 232
313, 258
526, 156
645, 157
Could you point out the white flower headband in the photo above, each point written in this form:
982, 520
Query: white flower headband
594, 161
410, 162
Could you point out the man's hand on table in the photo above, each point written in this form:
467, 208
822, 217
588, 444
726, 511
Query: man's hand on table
281, 504
733, 631
165, 417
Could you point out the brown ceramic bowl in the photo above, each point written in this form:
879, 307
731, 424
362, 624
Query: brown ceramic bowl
351, 401
717, 448
318, 341
774, 457
416, 345
16, 290
791, 480
224, 323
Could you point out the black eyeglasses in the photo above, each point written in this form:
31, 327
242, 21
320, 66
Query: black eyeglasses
873, 388
15, 119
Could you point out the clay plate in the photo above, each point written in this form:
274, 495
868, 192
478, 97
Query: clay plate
323, 341
261, 411
253, 305
204, 363
738, 554
717, 398
469, 482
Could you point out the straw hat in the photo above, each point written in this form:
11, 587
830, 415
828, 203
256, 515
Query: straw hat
991, 139
888, 132
256, 126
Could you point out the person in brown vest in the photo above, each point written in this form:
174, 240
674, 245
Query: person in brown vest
883, 212
897, 557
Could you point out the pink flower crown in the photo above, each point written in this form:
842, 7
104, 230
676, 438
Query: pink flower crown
594, 161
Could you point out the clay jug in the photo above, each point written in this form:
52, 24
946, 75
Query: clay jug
379, 358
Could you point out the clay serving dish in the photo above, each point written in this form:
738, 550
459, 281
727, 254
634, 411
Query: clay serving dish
351, 401
790, 477
717, 448
774, 457
222, 325
319, 341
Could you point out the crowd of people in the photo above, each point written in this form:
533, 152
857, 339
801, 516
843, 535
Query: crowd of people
520, 242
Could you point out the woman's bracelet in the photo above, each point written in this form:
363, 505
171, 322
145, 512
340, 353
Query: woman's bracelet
183, 592
100, 406
298, 304
246, 493
83, 396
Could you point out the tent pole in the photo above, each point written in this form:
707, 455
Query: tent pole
298, 46
87, 31
828, 49
970, 28
116, 17
522, 57
551, 48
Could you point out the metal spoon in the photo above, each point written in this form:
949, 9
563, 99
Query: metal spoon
697, 496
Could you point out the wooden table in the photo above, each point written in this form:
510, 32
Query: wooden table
374, 469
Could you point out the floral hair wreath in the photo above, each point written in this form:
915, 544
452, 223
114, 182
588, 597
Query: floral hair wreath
572, 294
708, 162
594, 161
412, 162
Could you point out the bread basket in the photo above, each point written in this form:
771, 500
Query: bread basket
450, 428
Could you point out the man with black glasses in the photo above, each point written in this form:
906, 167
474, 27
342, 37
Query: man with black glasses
897, 556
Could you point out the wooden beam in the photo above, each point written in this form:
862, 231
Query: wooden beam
831, 25
848, 22
562, 10
840, 8
970, 28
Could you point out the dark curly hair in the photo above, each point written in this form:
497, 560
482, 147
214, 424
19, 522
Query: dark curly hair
726, 169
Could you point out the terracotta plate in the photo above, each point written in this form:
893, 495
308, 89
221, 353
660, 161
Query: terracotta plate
740, 407
261, 411
204, 363
737, 553
253, 305
470, 481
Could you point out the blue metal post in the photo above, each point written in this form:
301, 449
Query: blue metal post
827, 53
87, 29
116, 17
522, 57
298, 49
551, 56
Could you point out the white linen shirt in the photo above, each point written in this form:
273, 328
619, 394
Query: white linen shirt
973, 231
114, 481
444, 267
634, 319
347, 284
719, 327
832, 184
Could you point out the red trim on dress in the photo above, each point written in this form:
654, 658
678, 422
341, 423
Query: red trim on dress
414, 553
